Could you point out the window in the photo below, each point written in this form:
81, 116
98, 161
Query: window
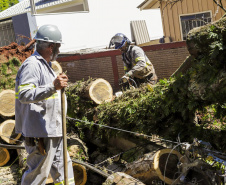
189, 22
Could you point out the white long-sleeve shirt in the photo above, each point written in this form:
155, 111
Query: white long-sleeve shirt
38, 103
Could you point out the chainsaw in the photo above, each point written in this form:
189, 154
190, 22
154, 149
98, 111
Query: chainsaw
127, 83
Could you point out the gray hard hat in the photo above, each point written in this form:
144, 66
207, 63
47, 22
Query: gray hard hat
49, 33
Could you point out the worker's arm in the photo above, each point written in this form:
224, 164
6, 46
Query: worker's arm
140, 63
28, 88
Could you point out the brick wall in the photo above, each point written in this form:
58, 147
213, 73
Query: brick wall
167, 61
166, 58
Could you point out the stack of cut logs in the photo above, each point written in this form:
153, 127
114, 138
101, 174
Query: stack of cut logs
7, 124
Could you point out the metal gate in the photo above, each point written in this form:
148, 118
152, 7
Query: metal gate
6, 33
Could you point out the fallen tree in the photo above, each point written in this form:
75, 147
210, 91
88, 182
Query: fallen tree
170, 109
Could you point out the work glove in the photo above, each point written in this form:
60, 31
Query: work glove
125, 78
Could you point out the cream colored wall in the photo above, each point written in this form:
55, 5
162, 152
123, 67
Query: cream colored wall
170, 14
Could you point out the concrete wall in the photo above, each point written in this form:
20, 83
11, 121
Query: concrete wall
166, 58
24, 25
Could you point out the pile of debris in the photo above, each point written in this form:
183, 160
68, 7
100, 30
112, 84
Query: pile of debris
16, 51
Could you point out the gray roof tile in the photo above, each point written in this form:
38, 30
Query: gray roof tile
24, 7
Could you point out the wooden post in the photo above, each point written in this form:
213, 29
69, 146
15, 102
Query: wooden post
63, 112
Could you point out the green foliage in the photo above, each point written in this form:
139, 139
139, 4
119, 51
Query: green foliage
5, 4
79, 105
4, 69
8, 73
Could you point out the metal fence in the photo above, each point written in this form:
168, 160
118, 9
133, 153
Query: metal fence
6, 33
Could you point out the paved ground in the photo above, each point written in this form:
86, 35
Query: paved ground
9, 175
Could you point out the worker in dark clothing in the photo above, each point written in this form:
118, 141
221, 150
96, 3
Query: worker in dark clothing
136, 63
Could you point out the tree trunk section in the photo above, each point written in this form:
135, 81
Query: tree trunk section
99, 91
7, 132
155, 169
4, 156
80, 174
84, 96
22, 155
7, 103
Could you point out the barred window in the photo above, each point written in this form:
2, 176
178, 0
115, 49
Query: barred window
188, 22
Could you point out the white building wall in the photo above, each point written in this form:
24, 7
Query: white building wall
105, 18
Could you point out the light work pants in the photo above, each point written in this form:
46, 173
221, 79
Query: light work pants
39, 166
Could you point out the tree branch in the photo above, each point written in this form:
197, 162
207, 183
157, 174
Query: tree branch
220, 5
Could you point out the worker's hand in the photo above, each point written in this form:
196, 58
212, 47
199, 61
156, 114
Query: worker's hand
125, 78
60, 82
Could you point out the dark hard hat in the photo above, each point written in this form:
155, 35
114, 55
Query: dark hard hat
119, 40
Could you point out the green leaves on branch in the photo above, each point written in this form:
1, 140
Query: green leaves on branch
8, 73
5, 4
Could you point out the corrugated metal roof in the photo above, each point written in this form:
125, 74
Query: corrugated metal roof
140, 31
24, 7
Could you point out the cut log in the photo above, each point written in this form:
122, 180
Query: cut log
7, 131
80, 174
165, 164
156, 169
56, 67
84, 96
4, 156
99, 91
7, 103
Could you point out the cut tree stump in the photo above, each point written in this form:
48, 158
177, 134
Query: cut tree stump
99, 91
56, 67
4, 156
7, 132
7, 103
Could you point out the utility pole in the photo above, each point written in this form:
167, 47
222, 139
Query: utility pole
33, 10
